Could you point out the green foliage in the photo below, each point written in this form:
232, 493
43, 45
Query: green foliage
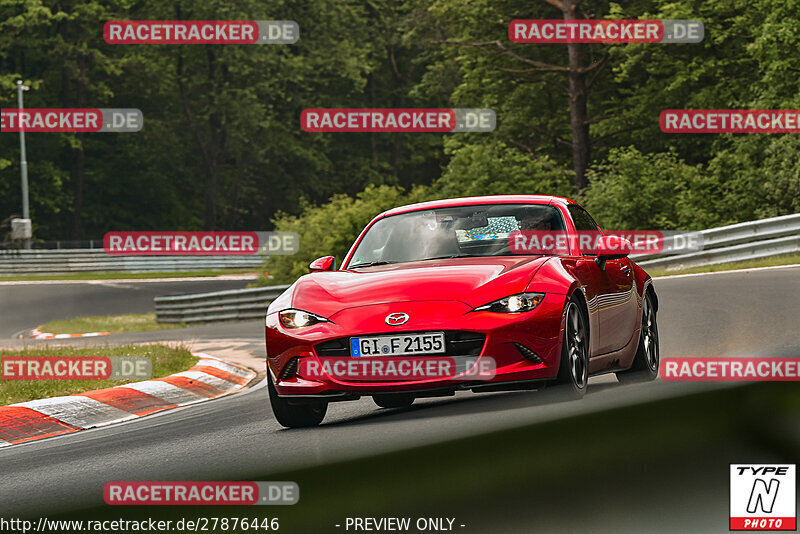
633, 191
494, 168
329, 229
221, 146
780, 176
758, 177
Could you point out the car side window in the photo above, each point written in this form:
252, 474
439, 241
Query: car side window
582, 220
583, 223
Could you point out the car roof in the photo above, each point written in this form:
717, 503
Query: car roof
488, 199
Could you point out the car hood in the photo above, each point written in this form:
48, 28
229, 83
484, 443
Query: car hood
473, 281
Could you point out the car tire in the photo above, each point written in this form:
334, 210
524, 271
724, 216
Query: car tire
573, 371
402, 400
645, 363
295, 416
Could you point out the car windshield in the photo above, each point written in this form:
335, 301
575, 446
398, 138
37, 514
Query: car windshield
452, 232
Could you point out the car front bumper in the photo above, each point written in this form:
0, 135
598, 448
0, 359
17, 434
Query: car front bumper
524, 347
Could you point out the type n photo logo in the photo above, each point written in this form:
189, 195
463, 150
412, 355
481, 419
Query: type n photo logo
763, 497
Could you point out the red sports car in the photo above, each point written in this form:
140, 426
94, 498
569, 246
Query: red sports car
448, 295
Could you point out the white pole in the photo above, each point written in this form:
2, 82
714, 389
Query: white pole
23, 164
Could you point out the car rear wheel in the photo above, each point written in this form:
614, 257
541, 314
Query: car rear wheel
295, 416
397, 400
573, 372
645, 363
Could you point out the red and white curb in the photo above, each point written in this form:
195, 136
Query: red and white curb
38, 334
209, 378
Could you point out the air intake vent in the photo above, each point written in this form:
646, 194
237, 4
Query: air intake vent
527, 353
290, 369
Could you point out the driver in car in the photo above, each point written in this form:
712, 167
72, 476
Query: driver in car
534, 220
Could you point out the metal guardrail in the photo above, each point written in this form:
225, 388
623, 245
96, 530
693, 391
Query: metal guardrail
743, 252
97, 261
736, 242
752, 231
231, 305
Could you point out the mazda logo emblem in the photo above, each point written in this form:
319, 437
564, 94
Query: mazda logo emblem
396, 319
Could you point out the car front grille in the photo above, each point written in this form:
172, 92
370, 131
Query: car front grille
457, 343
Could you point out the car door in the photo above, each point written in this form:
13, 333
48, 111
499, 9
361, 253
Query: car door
612, 304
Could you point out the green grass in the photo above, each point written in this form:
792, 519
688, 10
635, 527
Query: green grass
116, 324
774, 261
123, 276
165, 361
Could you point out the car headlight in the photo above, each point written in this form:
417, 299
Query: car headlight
292, 318
519, 303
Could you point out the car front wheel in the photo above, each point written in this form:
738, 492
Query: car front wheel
573, 371
295, 416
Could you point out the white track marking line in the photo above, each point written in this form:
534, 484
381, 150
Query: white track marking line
732, 271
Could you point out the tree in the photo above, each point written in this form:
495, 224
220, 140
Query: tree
578, 117
221, 145
581, 66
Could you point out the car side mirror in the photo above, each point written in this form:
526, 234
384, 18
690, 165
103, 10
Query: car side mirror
326, 263
611, 247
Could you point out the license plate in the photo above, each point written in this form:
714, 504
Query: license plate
399, 345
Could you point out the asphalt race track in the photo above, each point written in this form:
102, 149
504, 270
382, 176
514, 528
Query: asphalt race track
25, 306
728, 314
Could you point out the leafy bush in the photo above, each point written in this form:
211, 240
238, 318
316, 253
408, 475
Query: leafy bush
757, 177
494, 168
780, 177
330, 229
633, 191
